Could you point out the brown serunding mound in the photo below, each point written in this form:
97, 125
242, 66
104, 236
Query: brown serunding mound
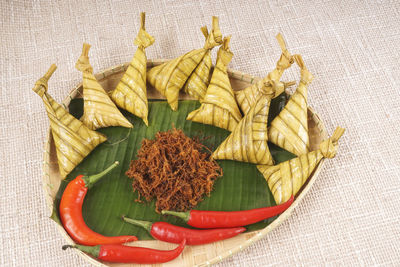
175, 169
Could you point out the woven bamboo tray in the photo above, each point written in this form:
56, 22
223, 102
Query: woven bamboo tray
193, 255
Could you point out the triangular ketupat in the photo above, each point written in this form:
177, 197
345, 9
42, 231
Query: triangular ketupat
72, 139
131, 93
219, 106
249, 140
98, 109
287, 178
170, 77
247, 97
289, 129
197, 84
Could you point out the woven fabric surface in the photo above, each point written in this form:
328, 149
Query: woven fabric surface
351, 215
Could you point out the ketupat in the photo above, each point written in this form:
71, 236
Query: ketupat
197, 84
249, 140
219, 107
247, 97
98, 109
289, 129
131, 92
72, 139
287, 178
170, 77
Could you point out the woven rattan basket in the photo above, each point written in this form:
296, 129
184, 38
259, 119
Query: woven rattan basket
193, 255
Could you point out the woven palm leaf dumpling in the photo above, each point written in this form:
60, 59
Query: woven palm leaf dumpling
219, 107
131, 93
248, 141
197, 84
73, 140
98, 109
289, 130
170, 77
247, 97
287, 178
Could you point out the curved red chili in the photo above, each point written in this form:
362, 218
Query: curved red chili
174, 234
71, 212
223, 219
127, 254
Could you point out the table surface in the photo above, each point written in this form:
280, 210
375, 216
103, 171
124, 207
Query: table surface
350, 217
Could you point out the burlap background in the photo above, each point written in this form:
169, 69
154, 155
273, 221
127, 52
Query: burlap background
350, 217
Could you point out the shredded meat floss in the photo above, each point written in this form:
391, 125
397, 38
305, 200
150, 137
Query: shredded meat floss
175, 169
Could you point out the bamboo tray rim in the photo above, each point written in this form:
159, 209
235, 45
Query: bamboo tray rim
254, 236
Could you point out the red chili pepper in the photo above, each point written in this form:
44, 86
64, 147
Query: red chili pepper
127, 254
174, 234
223, 219
71, 212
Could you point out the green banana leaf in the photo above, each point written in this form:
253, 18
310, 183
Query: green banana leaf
242, 187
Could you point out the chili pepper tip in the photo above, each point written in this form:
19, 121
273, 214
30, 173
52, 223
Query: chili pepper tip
184, 241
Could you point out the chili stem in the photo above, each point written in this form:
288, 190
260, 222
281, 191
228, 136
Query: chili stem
91, 250
183, 215
144, 224
92, 179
